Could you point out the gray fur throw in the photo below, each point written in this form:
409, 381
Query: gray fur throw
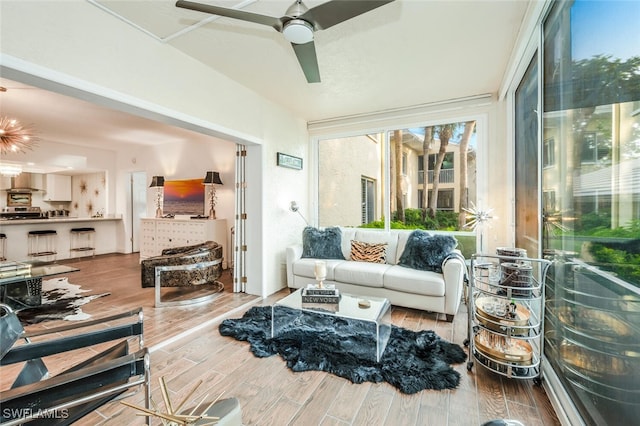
427, 252
322, 244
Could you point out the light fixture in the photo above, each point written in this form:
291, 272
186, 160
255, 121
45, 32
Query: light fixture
212, 179
296, 209
158, 183
298, 31
10, 170
477, 219
14, 137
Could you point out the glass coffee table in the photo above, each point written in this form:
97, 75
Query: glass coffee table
373, 312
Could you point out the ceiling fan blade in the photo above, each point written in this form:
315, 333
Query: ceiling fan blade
306, 54
334, 12
231, 13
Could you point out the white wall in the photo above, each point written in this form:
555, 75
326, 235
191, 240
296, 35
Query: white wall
77, 44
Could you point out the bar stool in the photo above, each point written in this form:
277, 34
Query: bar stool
3, 246
42, 243
82, 240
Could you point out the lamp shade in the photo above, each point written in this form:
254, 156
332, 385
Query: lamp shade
211, 178
157, 181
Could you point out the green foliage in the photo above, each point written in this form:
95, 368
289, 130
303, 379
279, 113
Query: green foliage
622, 263
444, 220
590, 222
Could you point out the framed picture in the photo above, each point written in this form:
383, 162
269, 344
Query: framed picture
19, 199
184, 197
285, 160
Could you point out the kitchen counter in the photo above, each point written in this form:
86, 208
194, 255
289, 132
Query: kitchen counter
109, 232
60, 219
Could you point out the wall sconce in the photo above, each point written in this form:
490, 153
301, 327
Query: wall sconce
296, 209
210, 181
158, 183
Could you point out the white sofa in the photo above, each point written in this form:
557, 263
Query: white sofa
403, 286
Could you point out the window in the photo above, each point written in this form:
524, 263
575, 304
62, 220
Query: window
343, 164
591, 197
404, 163
445, 199
526, 160
594, 148
368, 200
375, 179
548, 152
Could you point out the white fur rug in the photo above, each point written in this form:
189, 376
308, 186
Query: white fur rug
60, 300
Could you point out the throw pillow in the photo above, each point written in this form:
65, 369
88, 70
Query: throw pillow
322, 243
427, 252
368, 252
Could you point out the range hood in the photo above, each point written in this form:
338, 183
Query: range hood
26, 182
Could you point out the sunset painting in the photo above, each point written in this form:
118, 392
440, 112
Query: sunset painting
185, 196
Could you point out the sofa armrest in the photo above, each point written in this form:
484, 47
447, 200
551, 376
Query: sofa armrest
454, 271
293, 253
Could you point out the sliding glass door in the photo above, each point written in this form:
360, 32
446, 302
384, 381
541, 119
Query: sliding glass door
591, 199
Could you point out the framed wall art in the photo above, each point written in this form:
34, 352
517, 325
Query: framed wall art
19, 199
184, 197
285, 160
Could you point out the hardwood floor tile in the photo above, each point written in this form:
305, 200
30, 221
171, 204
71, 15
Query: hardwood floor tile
269, 393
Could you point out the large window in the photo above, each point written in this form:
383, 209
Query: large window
591, 201
378, 180
526, 161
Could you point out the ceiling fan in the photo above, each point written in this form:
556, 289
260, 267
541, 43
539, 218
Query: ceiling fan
298, 24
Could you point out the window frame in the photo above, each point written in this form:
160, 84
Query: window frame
478, 108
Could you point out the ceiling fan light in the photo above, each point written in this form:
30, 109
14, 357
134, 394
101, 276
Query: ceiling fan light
298, 31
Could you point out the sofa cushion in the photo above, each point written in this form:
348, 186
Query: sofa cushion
348, 235
322, 243
375, 236
407, 280
368, 252
306, 268
426, 252
361, 273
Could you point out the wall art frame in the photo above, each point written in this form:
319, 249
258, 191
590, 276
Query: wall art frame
289, 161
18, 199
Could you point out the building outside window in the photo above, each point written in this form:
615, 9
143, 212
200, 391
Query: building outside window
361, 177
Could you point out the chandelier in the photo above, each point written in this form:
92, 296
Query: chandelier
14, 137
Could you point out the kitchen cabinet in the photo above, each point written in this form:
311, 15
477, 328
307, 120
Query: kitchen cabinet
5, 183
57, 188
159, 234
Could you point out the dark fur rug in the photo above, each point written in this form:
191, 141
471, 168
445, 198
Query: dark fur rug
412, 361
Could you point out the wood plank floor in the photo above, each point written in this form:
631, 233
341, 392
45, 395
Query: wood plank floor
269, 393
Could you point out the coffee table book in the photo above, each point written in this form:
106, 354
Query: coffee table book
325, 296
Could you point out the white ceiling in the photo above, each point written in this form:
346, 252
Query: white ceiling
406, 53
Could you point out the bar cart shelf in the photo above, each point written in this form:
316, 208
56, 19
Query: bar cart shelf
506, 314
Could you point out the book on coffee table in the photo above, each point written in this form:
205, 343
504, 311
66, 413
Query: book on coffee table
313, 294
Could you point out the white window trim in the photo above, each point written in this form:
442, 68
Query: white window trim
479, 108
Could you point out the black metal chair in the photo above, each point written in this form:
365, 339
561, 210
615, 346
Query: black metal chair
61, 400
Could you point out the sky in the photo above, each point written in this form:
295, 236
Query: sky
610, 26
184, 190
